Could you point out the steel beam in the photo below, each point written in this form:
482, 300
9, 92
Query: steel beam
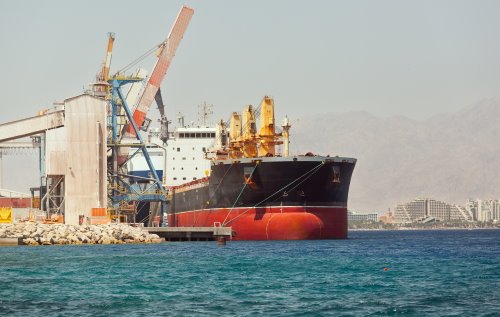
30, 126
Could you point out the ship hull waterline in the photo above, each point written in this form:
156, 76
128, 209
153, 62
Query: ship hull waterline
271, 223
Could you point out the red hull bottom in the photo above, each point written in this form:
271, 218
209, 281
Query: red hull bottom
270, 223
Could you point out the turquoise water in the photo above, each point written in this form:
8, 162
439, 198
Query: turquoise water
429, 273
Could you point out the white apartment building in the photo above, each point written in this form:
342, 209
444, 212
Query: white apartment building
352, 217
484, 210
422, 209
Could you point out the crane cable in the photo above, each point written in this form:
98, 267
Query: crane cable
215, 191
217, 188
241, 192
139, 59
246, 124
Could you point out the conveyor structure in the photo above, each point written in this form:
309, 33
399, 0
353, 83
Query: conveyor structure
31, 126
85, 141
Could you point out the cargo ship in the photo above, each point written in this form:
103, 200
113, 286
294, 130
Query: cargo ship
262, 193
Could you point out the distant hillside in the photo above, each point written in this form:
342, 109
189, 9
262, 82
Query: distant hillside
449, 157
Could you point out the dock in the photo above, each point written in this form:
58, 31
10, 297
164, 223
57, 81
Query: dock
190, 233
11, 241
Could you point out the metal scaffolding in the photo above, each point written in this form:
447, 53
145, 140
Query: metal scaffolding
122, 194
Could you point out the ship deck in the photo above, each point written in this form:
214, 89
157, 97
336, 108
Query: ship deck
310, 158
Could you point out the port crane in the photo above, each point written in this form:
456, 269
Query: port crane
166, 52
107, 103
101, 87
125, 134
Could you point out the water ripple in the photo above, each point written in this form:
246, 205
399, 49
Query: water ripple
386, 273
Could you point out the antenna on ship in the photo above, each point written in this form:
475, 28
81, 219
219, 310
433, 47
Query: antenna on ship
204, 112
180, 119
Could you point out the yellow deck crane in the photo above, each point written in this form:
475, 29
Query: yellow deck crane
245, 141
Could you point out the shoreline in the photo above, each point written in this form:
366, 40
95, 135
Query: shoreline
34, 234
422, 229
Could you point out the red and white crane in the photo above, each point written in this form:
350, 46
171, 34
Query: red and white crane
165, 53
103, 75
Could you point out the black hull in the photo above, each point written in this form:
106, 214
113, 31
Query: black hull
274, 181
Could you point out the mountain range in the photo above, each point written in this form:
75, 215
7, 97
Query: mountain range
449, 157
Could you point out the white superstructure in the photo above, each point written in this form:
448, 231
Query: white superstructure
186, 149
138, 166
185, 155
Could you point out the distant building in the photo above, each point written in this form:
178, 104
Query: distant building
412, 211
484, 210
459, 213
387, 217
425, 209
352, 217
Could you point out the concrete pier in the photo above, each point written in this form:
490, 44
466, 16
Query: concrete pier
11, 241
190, 233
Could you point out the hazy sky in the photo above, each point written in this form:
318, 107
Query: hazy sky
411, 58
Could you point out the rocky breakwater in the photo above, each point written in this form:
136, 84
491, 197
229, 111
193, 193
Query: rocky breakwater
47, 234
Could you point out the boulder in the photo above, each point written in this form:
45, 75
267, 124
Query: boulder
30, 241
37, 233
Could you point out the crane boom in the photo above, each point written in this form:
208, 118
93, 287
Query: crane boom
166, 53
101, 86
103, 75
109, 52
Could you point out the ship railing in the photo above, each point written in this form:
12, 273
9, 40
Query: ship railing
190, 185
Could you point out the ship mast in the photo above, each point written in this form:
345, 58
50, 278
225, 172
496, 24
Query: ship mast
204, 112
286, 136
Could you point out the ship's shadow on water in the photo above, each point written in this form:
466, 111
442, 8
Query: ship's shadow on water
372, 273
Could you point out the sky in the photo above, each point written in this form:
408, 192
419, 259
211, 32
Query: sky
387, 57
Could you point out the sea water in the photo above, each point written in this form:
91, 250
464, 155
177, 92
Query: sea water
373, 273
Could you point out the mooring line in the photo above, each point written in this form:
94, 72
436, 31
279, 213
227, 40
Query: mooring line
241, 192
312, 171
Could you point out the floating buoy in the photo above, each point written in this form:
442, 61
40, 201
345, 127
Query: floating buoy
386, 269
